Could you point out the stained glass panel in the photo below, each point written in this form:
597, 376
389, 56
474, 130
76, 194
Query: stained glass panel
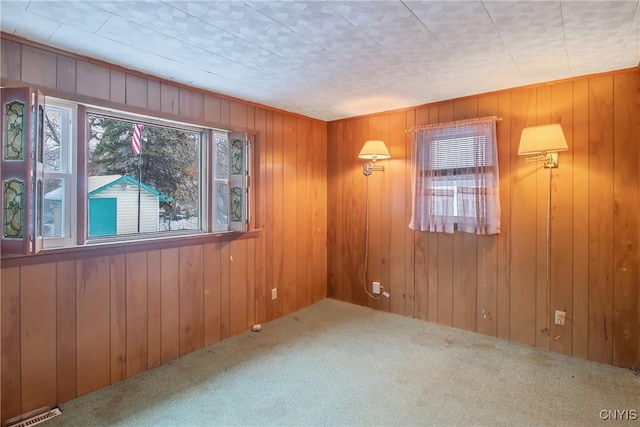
14, 209
14, 131
236, 204
222, 204
236, 157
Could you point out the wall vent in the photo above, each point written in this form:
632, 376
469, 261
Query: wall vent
33, 418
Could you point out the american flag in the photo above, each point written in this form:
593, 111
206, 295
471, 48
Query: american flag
136, 141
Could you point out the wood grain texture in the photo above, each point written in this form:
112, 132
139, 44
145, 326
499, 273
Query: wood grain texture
212, 303
465, 249
38, 336
225, 290
117, 88
154, 310
11, 404
38, 66
118, 317
137, 312
118, 314
170, 304
543, 177
66, 330
487, 251
503, 302
561, 285
594, 202
10, 64
93, 324
601, 219
136, 91
238, 287
65, 74
303, 196
169, 98
190, 269
287, 291
626, 225
92, 80
580, 220
191, 103
523, 225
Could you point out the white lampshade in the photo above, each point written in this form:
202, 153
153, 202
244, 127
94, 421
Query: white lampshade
542, 139
374, 149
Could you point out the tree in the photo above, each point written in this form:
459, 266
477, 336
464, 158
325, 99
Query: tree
169, 159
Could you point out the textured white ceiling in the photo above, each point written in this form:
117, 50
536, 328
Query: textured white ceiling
336, 59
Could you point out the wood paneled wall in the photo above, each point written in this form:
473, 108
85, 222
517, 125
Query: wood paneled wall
82, 322
496, 285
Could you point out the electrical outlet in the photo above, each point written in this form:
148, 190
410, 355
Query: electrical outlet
375, 288
274, 293
560, 317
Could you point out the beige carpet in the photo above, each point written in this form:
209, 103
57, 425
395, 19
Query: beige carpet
344, 365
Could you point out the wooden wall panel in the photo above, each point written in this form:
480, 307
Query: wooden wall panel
92, 80
66, 74
191, 281
109, 317
191, 103
626, 225
137, 312
523, 225
561, 286
303, 197
594, 223
38, 336
487, 251
543, 293
118, 317
465, 268
287, 291
580, 220
11, 367
169, 98
225, 290
238, 287
136, 91
10, 63
601, 219
169, 304
402, 299
212, 303
37, 65
154, 310
278, 216
93, 324
66, 329
503, 299
117, 88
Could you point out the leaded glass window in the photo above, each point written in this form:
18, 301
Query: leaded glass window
14, 131
14, 209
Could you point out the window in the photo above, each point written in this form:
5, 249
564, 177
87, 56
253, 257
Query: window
59, 181
153, 189
455, 178
179, 179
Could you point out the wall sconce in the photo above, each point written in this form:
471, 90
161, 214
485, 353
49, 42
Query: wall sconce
545, 141
373, 150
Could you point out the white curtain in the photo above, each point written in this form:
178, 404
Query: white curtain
455, 181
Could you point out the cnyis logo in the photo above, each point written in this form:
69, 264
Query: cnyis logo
618, 414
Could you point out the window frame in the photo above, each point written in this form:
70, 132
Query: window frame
69, 175
451, 164
77, 196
